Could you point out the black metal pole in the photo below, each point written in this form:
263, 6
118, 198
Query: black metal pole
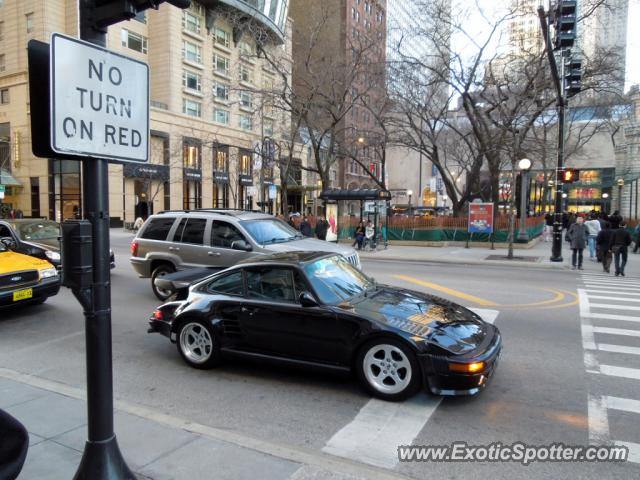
102, 459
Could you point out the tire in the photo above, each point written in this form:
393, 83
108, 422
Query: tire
388, 369
161, 271
198, 345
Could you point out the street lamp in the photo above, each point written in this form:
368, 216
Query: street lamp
605, 196
524, 165
620, 185
409, 192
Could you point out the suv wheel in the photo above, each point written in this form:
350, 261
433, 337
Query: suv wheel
161, 271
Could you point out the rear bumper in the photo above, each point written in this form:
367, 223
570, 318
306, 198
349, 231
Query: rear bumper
42, 290
141, 266
440, 380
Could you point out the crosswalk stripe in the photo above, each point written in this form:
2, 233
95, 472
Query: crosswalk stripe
636, 293
621, 284
598, 419
611, 286
634, 450
606, 347
623, 404
610, 278
625, 372
620, 299
614, 306
607, 316
616, 331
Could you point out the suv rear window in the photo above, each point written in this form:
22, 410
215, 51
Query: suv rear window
158, 228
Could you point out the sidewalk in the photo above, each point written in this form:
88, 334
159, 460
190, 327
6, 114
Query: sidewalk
156, 446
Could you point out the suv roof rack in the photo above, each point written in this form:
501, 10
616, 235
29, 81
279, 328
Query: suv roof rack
221, 211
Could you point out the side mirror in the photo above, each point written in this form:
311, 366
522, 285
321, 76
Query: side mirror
307, 300
241, 245
8, 242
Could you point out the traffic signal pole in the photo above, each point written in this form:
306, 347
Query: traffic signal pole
102, 459
556, 246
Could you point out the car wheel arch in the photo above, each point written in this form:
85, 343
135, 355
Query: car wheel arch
159, 262
379, 336
191, 316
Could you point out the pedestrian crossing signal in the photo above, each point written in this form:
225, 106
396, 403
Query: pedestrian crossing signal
570, 175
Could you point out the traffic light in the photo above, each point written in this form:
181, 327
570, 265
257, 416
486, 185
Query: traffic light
108, 12
565, 23
572, 76
568, 175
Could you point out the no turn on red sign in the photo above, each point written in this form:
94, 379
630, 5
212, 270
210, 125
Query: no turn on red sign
99, 102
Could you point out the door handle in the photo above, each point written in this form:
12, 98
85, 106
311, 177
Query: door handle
174, 249
213, 254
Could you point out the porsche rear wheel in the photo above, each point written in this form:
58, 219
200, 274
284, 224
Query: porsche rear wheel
388, 369
197, 345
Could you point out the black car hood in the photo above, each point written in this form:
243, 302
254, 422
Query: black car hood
447, 324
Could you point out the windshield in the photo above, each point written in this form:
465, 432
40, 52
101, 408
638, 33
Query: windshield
270, 230
41, 230
335, 279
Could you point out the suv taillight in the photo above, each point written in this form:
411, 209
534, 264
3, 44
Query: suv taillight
134, 249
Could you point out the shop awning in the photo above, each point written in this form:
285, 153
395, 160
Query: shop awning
7, 179
358, 194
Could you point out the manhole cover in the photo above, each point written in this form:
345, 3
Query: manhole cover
519, 259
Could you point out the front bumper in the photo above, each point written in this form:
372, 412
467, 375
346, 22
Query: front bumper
43, 289
442, 381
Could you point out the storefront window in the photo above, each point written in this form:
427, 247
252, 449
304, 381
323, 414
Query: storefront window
65, 187
191, 195
191, 155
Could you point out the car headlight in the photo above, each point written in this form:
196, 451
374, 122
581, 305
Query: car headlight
55, 256
48, 273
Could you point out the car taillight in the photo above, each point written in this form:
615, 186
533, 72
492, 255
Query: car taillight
134, 249
157, 314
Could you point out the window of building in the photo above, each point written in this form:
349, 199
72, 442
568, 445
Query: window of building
221, 91
191, 52
245, 122
192, 80
221, 160
134, 41
1, 31
35, 196
4, 96
191, 154
246, 74
222, 38
141, 17
353, 12
268, 127
245, 48
245, 164
2, 63
246, 100
191, 108
191, 22
29, 21
221, 65
221, 116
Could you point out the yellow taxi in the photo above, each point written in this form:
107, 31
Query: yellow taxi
25, 279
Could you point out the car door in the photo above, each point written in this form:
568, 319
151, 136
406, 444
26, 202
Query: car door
274, 322
220, 253
227, 307
189, 242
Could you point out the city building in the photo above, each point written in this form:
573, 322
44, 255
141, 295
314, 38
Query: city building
347, 67
215, 134
627, 178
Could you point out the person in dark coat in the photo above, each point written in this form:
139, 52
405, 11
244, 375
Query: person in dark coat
621, 239
603, 243
615, 220
359, 235
577, 235
321, 228
305, 227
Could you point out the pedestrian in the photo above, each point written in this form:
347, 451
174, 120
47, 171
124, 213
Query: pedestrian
321, 228
565, 220
603, 241
291, 223
577, 235
548, 227
637, 232
603, 218
593, 227
621, 239
305, 227
359, 235
615, 220
369, 235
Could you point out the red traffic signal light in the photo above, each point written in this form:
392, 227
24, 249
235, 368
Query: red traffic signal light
569, 175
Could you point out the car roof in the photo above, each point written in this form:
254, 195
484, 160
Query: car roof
289, 258
229, 212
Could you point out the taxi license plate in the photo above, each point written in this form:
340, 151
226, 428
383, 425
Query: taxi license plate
22, 294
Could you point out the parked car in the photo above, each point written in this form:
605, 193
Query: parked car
25, 279
177, 240
315, 309
36, 237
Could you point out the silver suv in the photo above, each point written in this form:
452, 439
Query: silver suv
176, 240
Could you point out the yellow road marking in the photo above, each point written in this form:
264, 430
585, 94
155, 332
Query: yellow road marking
576, 301
558, 297
449, 291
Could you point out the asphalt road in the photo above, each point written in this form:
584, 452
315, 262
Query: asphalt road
541, 393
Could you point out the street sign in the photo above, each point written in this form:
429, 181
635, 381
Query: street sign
99, 102
273, 192
480, 218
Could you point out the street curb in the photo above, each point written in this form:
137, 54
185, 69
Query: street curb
498, 263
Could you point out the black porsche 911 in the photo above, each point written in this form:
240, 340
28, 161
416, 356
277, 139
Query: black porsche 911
315, 309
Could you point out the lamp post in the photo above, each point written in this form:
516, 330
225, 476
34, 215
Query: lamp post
410, 193
620, 185
524, 165
605, 196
